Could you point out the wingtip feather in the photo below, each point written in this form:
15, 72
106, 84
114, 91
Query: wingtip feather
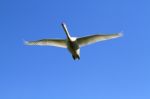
26, 42
120, 34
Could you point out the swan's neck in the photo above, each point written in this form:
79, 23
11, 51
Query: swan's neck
66, 31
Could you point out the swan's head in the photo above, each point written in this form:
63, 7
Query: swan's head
63, 24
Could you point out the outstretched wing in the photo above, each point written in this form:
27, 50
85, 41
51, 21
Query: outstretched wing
48, 42
83, 41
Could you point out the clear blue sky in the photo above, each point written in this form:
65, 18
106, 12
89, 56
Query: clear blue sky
114, 69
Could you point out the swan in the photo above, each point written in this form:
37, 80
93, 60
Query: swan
73, 44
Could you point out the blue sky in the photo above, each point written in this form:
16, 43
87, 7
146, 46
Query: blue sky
114, 69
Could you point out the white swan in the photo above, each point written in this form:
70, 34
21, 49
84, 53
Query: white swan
73, 44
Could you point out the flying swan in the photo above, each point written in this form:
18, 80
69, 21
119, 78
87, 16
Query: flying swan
73, 44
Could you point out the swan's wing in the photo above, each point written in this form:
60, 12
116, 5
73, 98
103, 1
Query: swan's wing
48, 42
83, 41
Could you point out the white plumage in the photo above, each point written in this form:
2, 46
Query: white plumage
72, 43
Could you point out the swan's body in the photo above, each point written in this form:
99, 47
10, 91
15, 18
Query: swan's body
73, 44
